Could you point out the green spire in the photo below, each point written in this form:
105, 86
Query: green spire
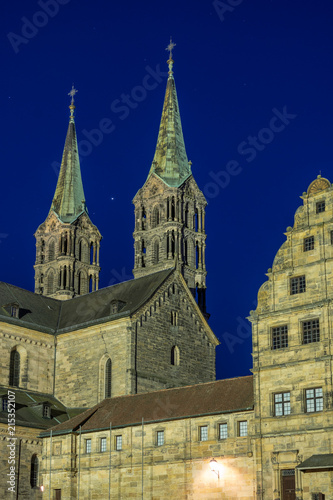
69, 201
170, 162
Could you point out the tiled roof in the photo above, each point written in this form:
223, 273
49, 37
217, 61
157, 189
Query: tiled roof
54, 316
221, 396
29, 409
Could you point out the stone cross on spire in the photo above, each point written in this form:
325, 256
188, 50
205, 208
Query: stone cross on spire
170, 60
72, 107
170, 47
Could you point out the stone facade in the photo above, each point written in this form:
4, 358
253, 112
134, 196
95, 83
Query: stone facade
179, 468
292, 352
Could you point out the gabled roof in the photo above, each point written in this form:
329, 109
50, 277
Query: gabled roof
29, 409
54, 316
212, 398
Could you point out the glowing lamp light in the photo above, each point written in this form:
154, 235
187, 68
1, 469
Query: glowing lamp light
41, 488
214, 467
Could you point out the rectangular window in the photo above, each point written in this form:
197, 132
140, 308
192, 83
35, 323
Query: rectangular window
280, 337
103, 444
297, 285
4, 404
223, 431
242, 428
88, 446
46, 411
314, 400
119, 443
308, 243
282, 404
204, 433
320, 207
311, 331
160, 438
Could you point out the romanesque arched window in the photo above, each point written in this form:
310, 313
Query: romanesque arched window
14, 369
108, 375
156, 217
50, 282
156, 252
175, 355
51, 251
34, 471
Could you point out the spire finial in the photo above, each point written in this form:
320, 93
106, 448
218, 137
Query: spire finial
72, 107
170, 60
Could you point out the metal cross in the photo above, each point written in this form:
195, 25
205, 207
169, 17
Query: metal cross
72, 93
170, 47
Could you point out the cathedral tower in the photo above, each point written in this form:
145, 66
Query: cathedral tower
67, 256
170, 208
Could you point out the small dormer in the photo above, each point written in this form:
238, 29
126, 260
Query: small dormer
13, 309
116, 306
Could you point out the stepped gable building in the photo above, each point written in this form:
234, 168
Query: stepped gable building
115, 388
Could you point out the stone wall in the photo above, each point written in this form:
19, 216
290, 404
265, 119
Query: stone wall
36, 351
179, 468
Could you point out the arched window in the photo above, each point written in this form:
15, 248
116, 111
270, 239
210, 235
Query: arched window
50, 282
156, 217
34, 471
143, 219
51, 251
175, 355
14, 369
156, 252
108, 369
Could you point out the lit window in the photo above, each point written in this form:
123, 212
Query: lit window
242, 428
88, 445
314, 400
311, 331
4, 404
223, 431
204, 433
160, 438
320, 207
282, 404
279, 337
103, 444
308, 244
297, 285
119, 443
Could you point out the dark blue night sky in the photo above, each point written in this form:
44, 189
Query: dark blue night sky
254, 83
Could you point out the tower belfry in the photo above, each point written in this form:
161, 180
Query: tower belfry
67, 255
170, 208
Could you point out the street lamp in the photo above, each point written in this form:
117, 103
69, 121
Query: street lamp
214, 467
